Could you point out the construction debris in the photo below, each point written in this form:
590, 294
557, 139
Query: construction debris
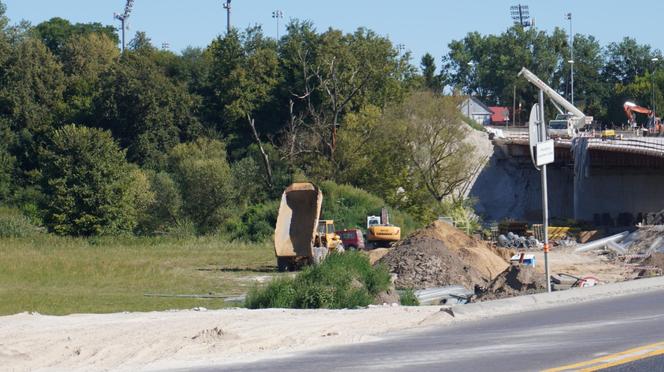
448, 295
512, 240
601, 243
516, 280
441, 255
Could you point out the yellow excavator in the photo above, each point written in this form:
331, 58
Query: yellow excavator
380, 233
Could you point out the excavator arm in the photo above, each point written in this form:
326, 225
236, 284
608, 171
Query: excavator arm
631, 107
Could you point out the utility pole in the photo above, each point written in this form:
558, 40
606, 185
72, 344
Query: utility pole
571, 60
123, 18
545, 195
513, 108
277, 14
227, 6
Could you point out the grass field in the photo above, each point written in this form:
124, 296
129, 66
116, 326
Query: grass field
55, 275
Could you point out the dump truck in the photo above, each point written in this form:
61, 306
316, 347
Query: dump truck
300, 237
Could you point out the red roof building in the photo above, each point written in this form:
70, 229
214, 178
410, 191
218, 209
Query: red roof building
500, 115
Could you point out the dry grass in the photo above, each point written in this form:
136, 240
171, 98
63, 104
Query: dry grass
54, 275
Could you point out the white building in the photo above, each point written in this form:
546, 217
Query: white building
473, 108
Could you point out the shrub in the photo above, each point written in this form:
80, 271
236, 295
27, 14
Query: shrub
163, 213
342, 281
13, 224
408, 298
256, 224
86, 183
204, 176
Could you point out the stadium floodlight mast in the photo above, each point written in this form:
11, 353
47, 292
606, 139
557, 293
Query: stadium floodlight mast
123, 18
277, 14
521, 15
227, 6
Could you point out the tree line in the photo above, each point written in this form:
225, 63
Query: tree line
98, 141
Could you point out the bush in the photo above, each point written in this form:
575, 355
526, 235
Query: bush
86, 183
13, 224
408, 298
204, 176
345, 280
256, 224
163, 214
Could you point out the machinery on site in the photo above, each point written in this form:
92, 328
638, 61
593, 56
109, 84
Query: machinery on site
654, 124
380, 233
300, 237
569, 120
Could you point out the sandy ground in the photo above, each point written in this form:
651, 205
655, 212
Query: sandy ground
181, 339
565, 260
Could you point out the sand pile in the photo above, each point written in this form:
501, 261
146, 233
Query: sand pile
440, 255
516, 280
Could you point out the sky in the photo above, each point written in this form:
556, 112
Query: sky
421, 26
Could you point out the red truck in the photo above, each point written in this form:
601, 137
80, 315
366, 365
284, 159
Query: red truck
351, 238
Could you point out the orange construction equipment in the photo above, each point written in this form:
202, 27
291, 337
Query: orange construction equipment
631, 107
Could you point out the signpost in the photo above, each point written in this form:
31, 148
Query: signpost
542, 153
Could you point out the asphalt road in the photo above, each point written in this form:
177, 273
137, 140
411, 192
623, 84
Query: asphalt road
524, 342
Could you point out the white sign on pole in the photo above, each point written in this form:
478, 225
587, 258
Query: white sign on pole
533, 130
544, 152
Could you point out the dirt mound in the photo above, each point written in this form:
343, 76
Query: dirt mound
376, 254
514, 281
440, 255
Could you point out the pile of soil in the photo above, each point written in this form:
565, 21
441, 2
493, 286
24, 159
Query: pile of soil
516, 280
440, 255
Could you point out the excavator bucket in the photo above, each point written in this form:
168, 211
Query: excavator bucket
297, 221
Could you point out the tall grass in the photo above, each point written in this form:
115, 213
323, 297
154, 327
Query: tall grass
342, 281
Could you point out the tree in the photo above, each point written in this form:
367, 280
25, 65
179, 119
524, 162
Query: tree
87, 183
141, 43
204, 176
146, 111
31, 98
627, 60
85, 58
441, 158
432, 81
329, 75
57, 31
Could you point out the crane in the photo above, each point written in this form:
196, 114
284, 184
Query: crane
575, 119
123, 18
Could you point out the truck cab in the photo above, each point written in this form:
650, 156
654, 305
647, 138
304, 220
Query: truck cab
560, 127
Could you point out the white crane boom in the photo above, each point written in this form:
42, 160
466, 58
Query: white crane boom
578, 119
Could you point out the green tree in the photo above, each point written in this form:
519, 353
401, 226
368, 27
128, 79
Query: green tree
432, 81
57, 31
164, 211
243, 76
627, 60
206, 185
87, 183
145, 110
31, 98
329, 75
85, 58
